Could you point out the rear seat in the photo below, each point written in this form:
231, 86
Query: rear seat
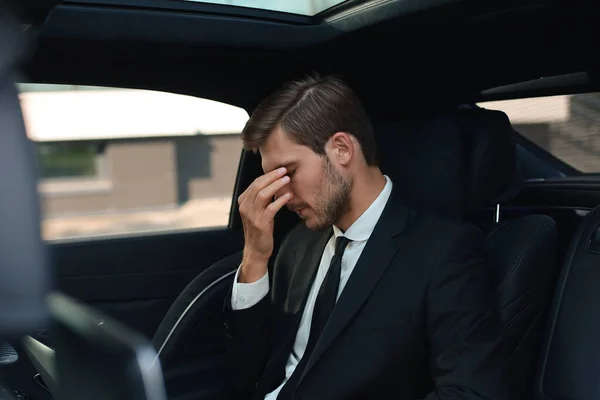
569, 366
458, 163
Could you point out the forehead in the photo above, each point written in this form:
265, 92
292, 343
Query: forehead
279, 150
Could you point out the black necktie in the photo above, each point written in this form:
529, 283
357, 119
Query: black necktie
325, 302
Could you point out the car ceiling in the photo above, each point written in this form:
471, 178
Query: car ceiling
400, 56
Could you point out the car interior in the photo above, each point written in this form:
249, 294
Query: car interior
425, 71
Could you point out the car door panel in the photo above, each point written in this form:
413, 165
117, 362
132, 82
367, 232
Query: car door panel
134, 279
566, 200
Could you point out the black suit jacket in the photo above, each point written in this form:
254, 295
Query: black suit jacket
416, 319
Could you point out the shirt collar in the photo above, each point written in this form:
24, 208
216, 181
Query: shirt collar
362, 228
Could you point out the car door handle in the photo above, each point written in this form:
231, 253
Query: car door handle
37, 378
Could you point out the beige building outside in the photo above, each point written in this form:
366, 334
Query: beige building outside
566, 126
117, 161
120, 161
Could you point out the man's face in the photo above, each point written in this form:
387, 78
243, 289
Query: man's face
320, 193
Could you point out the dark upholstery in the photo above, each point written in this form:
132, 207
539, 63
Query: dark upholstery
452, 163
457, 163
524, 253
521, 257
190, 339
570, 362
189, 309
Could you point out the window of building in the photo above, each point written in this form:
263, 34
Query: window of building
116, 161
70, 160
567, 127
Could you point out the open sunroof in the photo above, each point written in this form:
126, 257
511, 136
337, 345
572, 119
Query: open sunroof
302, 7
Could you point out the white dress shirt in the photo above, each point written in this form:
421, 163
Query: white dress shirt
245, 295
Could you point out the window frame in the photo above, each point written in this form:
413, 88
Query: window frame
554, 166
104, 182
205, 8
305, 2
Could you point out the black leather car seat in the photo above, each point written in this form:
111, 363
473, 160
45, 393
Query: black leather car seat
189, 340
462, 164
569, 367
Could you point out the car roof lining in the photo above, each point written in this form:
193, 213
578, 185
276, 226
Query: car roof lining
433, 57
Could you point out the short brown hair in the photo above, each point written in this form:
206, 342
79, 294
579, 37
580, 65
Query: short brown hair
311, 111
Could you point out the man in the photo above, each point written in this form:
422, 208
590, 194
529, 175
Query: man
368, 298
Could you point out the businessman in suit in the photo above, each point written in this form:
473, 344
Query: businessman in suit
367, 298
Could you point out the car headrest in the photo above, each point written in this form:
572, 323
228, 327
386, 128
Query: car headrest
454, 162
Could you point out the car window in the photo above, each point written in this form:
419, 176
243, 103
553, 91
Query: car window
121, 161
568, 127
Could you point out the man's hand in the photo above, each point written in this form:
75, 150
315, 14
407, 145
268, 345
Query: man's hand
258, 211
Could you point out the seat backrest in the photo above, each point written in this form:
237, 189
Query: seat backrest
523, 251
569, 365
190, 339
453, 163
458, 163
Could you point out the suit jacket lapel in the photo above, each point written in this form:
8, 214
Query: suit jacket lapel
303, 274
379, 251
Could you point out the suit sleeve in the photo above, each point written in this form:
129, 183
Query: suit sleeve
468, 351
249, 328
248, 343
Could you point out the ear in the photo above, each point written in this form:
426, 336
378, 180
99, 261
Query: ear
342, 147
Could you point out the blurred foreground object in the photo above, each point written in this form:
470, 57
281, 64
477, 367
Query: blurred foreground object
32, 12
24, 267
